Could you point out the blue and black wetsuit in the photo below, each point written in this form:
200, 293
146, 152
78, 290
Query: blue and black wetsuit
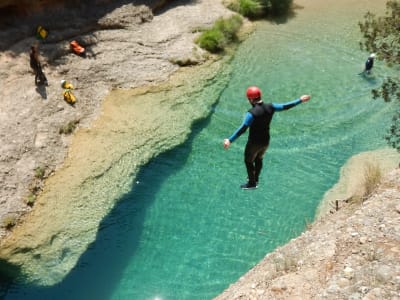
258, 119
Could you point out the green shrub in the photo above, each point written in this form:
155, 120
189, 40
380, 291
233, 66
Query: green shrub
40, 172
69, 127
31, 200
229, 27
212, 40
251, 8
220, 35
9, 222
254, 9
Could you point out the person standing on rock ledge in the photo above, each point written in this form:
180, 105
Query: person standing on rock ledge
40, 78
258, 119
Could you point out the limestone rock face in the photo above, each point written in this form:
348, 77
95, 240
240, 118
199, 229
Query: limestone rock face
350, 254
9, 9
29, 7
129, 46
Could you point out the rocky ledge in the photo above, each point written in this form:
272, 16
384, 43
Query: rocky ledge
352, 253
128, 46
125, 49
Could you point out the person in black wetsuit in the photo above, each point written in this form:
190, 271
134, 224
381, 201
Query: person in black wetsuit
369, 63
40, 78
258, 119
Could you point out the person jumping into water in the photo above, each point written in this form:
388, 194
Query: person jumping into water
258, 119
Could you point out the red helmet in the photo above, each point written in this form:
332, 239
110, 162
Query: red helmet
253, 93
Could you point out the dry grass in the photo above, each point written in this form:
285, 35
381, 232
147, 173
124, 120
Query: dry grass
372, 178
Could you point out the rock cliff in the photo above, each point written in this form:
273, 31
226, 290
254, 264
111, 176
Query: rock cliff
128, 46
352, 253
23, 8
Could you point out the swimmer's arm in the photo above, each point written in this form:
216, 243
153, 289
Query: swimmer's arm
248, 119
246, 123
285, 106
288, 105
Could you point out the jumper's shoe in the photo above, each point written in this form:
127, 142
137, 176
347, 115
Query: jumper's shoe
256, 181
248, 186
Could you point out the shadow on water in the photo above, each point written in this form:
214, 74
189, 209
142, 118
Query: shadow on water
282, 19
99, 270
370, 78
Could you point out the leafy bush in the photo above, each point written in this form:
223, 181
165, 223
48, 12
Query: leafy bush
393, 135
254, 9
9, 221
30, 201
382, 35
220, 35
251, 8
69, 127
40, 172
212, 40
229, 27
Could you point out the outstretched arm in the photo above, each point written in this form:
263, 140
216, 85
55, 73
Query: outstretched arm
246, 123
288, 105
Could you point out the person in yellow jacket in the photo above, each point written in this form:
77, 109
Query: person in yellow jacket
69, 97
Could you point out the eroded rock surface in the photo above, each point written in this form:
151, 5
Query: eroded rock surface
353, 253
128, 46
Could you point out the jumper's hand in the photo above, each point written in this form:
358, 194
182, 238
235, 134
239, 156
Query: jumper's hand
227, 143
305, 98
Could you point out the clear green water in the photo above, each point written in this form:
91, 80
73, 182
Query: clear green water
186, 230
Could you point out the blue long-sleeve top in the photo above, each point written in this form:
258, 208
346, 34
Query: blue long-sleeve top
248, 119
